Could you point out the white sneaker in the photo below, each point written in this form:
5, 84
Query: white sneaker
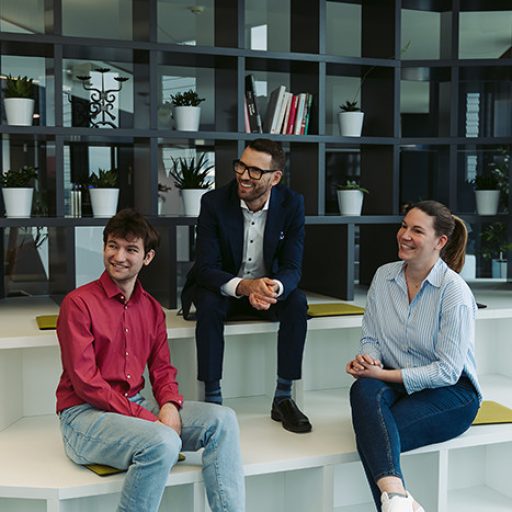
398, 503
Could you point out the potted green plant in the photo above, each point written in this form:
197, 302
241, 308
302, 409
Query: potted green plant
19, 100
104, 192
186, 110
487, 191
350, 197
17, 190
494, 245
350, 117
191, 176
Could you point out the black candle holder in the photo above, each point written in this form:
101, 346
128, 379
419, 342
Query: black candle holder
102, 100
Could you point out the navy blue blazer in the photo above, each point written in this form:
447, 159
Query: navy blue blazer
220, 232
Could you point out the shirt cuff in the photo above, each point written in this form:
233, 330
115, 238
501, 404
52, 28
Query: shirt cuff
280, 287
229, 289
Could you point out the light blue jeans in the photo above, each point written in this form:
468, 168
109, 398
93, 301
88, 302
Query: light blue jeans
148, 450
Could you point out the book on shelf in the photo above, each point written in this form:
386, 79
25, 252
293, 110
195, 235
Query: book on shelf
284, 127
252, 106
291, 117
282, 112
247, 124
304, 125
300, 113
274, 105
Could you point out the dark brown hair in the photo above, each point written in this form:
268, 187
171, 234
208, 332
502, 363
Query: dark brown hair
129, 223
271, 147
445, 223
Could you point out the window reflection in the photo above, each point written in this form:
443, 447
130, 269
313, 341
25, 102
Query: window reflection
97, 18
267, 25
22, 17
182, 22
485, 35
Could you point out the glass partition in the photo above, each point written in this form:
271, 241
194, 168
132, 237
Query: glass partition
27, 17
183, 22
97, 18
485, 34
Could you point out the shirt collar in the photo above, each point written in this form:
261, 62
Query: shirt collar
111, 290
434, 277
266, 206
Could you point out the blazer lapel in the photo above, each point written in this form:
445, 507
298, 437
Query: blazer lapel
234, 222
273, 228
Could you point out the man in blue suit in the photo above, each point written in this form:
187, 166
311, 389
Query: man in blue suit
250, 240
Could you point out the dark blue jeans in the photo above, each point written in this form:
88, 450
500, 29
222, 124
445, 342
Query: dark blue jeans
388, 421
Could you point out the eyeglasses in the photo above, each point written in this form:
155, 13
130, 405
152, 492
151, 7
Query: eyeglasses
254, 172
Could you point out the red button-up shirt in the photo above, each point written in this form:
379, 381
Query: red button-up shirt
105, 345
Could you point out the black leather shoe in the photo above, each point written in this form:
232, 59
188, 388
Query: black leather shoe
287, 412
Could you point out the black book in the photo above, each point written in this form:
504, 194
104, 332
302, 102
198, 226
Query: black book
252, 107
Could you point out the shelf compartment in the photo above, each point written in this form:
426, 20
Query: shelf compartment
372, 86
478, 479
183, 24
110, 20
424, 174
37, 65
484, 30
212, 77
18, 150
476, 159
425, 102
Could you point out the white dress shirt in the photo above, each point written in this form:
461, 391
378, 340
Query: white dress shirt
253, 266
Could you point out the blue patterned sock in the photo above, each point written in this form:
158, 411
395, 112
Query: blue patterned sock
213, 392
283, 389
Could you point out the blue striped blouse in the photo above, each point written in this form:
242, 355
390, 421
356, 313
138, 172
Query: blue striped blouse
432, 339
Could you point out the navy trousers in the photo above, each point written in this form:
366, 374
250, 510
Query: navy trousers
214, 309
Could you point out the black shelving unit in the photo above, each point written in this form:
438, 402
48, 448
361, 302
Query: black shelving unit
399, 158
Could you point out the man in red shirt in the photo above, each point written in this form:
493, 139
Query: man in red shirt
109, 330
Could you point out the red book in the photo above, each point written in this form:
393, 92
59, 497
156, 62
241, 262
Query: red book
291, 117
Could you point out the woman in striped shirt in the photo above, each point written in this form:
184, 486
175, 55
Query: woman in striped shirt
416, 381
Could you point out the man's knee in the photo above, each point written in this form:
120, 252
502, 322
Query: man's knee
164, 447
296, 303
210, 304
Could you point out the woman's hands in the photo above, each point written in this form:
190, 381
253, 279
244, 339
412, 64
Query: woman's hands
366, 366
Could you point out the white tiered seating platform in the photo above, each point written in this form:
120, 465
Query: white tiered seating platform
319, 471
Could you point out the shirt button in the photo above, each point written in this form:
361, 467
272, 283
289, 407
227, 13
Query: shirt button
126, 353
126, 307
126, 330
128, 376
252, 241
126, 394
250, 259
252, 223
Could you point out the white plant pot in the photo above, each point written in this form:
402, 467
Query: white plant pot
104, 201
187, 118
192, 200
19, 111
18, 201
499, 269
351, 123
487, 201
350, 202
